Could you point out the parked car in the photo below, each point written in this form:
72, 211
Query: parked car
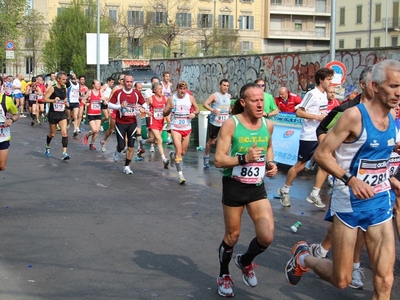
140, 74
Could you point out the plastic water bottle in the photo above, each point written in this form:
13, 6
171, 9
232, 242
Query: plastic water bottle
199, 148
296, 226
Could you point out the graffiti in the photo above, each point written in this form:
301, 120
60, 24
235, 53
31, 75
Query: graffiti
293, 70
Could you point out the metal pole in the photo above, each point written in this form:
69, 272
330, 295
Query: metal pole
333, 33
214, 26
98, 41
386, 25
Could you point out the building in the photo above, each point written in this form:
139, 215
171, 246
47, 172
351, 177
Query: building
296, 25
367, 23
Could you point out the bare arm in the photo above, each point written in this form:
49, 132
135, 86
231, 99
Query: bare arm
272, 169
47, 95
207, 103
301, 113
196, 108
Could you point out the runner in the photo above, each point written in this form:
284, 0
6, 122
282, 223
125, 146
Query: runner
167, 92
40, 91
219, 104
183, 108
157, 104
106, 90
8, 115
17, 93
125, 100
93, 100
57, 97
83, 89
246, 163
73, 99
362, 197
30, 92
147, 94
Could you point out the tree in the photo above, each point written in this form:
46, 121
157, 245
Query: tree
167, 19
66, 47
33, 30
11, 16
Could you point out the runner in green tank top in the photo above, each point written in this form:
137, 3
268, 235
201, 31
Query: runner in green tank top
245, 152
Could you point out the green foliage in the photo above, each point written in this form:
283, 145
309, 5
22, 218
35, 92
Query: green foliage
66, 47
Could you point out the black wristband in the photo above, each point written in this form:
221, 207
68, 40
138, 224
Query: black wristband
12, 120
242, 159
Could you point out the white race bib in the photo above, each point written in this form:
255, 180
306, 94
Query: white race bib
375, 173
251, 173
59, 106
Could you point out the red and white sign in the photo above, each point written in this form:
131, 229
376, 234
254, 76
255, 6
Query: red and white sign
340, 72
9, 45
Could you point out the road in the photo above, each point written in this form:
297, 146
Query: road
83, 230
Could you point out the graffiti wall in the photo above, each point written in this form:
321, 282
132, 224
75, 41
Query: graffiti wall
293, 70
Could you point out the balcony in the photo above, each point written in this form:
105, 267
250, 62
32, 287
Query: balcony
299, 35
318, 10
393, 24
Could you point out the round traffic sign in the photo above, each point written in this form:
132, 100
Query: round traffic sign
340, 72
9, 45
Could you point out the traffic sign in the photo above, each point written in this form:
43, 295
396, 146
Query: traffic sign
10, 54
340, 72
9, 45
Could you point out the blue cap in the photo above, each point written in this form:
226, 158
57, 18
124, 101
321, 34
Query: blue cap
348, 90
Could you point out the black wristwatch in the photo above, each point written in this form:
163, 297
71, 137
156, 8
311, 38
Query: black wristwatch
346, 178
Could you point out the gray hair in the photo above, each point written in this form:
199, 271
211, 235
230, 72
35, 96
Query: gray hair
364, 74
379, 70
155, 85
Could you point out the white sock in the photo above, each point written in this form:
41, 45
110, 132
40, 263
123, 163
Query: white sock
285, 189
356, 265
315, 192
302, 258
323, 251
163, 157
180, 173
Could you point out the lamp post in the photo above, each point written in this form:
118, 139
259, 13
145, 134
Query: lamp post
333, 33
98, 41
214, 26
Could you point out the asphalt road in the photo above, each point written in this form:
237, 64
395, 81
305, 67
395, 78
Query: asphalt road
83, 230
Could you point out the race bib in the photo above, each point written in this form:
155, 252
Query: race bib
221, 118
181, 120
128, 111
394, 164
375, 173
32, 97
95, 105
158, 113
59, 105
251, 173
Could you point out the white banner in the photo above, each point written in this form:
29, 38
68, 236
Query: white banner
91, 48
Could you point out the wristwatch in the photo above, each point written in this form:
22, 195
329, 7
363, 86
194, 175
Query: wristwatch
346, 178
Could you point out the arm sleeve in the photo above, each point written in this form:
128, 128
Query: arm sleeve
327, 123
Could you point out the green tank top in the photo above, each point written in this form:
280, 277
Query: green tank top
242, 140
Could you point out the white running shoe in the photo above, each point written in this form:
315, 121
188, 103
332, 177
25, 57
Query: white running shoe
127, 170
248, 275
356, 282
284, 198
225, 284
101, 128
116, 156
182, 179
103, 145
315, 250
316, 200
152, 149
166, 163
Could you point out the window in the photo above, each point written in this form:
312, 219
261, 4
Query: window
298, 25
204, 21
342, 16
184, 19
159, 17
29, 42
320, 6
275, 24
247, 1
359, 14
299, 2
394, 41
247, 46
60, 9
358, 43
134, 46
112, 14
135, 17
28, 65
377, 41
225, 21
276, 2
320, 31
378, 8
246, 22
396, 14
341, 44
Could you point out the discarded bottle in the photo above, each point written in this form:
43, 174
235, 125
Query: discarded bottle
296, 226
199, 148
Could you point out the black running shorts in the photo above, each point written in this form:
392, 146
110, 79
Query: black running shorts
235, 193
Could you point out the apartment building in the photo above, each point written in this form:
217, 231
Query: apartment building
296, 25
367, 23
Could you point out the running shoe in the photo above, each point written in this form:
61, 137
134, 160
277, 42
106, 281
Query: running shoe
47, 150
103, 145
315, 250
65, 156
79, 130
172, 158
225, 284
356, 281
101, 128
21, 115
32, 123
152, 149
170, 141
38, 121
92, 147
316, 200
75, 134
85, 139
206, 161
284, 198
127, 170
293, 269
138, 158
166, 163
140, 151
123, 152
182, 179
248, 275
116, 156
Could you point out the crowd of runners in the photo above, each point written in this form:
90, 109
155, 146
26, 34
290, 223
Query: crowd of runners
355, 142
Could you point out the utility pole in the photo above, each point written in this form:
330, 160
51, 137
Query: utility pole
333, 32
98, 41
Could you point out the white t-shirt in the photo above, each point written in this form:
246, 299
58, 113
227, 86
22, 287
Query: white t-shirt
17, 84
314, 102
148, 93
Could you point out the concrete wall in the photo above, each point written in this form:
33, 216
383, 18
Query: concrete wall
293, 70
